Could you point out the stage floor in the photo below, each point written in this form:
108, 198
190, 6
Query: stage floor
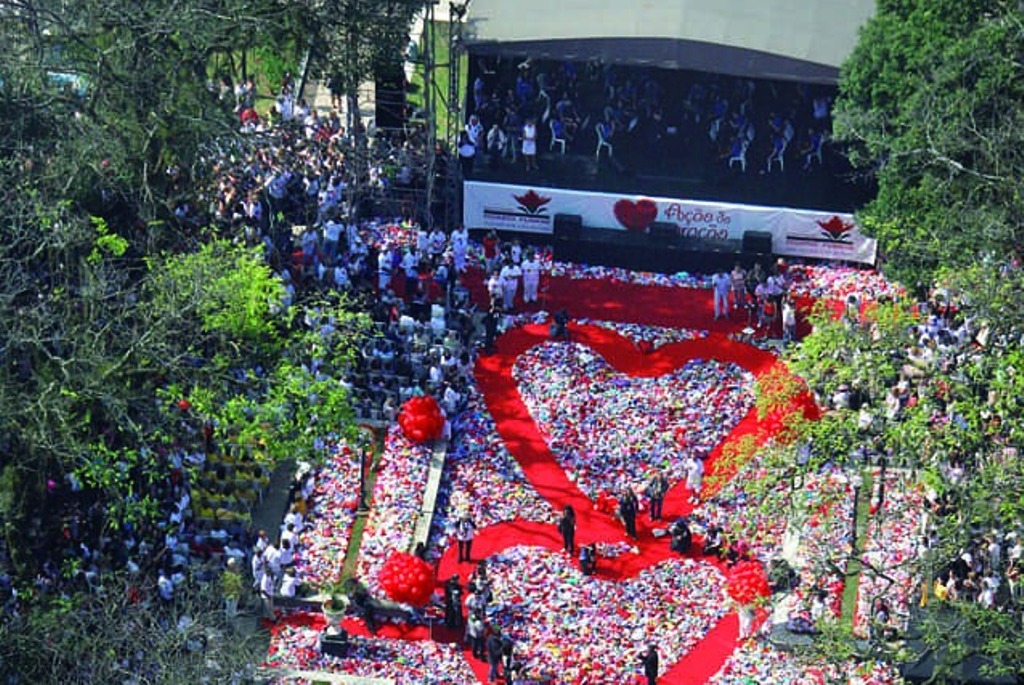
679, 175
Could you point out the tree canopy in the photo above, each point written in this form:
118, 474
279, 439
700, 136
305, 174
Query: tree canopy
930, 105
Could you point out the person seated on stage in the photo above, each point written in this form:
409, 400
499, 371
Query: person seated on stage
588, 559
681, 537
713, 542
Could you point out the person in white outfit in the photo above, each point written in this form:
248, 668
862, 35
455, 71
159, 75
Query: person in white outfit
510, 274
460, 245
721, 284
531, 277
694, 477
495, 288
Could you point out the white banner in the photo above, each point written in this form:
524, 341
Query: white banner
795, 232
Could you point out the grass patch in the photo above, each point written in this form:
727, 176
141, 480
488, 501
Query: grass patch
853, 571
348, 568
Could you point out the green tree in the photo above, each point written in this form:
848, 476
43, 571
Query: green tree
965, 413
116, 634
929, 107
221, 293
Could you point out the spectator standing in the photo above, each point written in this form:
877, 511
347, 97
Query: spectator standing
650, 663
494, 655
721, 284
531, 277
464, 531
567, 527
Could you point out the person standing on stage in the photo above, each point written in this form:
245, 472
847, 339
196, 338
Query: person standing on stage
531, 277
530, 144
567, 527
491, 245
739, 287
495, 288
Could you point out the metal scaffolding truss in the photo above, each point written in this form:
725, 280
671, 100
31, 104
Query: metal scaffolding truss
443, 176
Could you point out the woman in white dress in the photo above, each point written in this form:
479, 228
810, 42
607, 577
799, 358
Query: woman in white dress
694, 477
530, 144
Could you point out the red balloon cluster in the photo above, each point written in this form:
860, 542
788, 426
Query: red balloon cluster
748, 582
407, 579
421, 419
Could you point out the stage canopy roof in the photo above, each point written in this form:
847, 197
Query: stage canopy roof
793, 40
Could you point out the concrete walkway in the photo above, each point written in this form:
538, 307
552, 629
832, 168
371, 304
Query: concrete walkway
426, 518
272, 510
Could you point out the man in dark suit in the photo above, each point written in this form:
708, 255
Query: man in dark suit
650, 663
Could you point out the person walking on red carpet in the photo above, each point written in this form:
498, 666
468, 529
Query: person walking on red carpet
567, 527
628, 506
464, 530
494, 655
694, 477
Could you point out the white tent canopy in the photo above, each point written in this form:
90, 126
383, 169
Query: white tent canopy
804, 40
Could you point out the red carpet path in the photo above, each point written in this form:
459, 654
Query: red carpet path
520, 434
672, 307
600, 300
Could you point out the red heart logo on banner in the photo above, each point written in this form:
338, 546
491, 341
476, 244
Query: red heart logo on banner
636, 216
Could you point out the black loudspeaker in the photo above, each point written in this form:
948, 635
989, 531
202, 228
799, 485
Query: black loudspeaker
335, 645
663, 232
757, 242
568, 226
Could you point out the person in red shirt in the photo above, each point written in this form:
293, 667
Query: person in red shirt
491, 244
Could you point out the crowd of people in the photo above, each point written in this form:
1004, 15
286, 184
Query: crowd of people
425, 339
520, 107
